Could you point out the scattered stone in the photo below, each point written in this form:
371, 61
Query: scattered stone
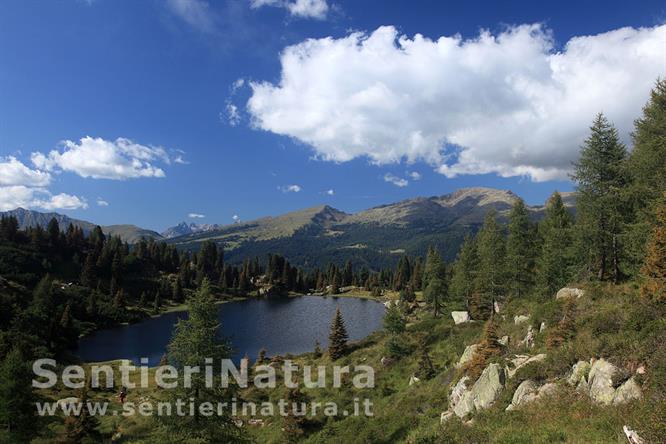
496, 307
542, 327
256, 422
628, 391
488, 387
445, 416
460, 317
568, 292
602, 379
579, 371
520, 319
632, 436
640, 370
414, 380
64, 402
529, 338
467, 355
386, 361
583, 386
520, 361
503, 341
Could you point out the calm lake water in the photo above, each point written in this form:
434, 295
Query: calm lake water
281, 325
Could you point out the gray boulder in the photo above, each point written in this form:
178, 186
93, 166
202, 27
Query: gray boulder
504, 340
467, 355
526, 392
579, 371
568, 292
628, 391
488, 387
529, 338
445, 416
520, 319
602, 379
460, 317
520, 361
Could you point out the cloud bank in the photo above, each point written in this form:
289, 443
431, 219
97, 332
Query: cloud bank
509, 104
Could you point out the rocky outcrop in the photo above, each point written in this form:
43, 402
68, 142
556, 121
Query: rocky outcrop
482, 395
528, 341
467, 355
460, 317
568, 292
528, 391
603, 383
629, 391
520, 361
414, 380
520, 319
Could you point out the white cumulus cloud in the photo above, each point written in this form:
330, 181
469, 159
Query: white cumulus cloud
196, 216
415, 175
330, 192
101, 202
12, 197
236, 218
395, 180
290, 188
510, 104
104, 159
195, 13
14, 172
316, 9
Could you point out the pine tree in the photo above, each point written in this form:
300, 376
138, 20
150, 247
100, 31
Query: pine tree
317, 350
88, 274
143, 300
337, 339
17, 409
157, 303
295, 421
489, 346
177, 292
520, 250
654, 269
491, 278
261, 357
554, 262
602, 179
81, 428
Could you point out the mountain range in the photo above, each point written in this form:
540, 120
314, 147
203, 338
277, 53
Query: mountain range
313, 237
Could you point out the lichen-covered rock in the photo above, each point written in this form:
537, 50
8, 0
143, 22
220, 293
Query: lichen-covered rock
601, 381
520, 319
414, 380
468, 354
503, 341
445, 416
460, 317
568, 292
548, 389
488, 387
520, 361
542, 327
579, 371
628, 391
458, 391
526, 392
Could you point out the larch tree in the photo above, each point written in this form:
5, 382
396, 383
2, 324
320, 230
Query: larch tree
654, 269
465, 269
436, 288
554, 263
491, 277
520, 250
602, 181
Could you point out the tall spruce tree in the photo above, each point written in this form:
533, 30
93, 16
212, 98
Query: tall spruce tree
554, 263
602, 180
337, 339
17, 408
520, 250
491, 279
436, 288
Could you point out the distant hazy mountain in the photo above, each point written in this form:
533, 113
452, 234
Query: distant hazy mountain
183, 229
30, 218
374, 237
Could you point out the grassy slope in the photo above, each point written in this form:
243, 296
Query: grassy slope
610, 323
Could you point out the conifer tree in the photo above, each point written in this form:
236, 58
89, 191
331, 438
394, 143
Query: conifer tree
295, 421
17, 408
81, 428
654, 270
488, 347
602, 179
425, 368
337, 339
555, 260
317, 350
177, 291
435, 281
491, 278
196, 339
394, 322
465, 269
520, 251
647, 167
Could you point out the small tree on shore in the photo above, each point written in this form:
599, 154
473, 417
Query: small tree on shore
654, 269
337, 339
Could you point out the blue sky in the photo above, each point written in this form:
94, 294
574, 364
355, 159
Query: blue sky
148, 111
